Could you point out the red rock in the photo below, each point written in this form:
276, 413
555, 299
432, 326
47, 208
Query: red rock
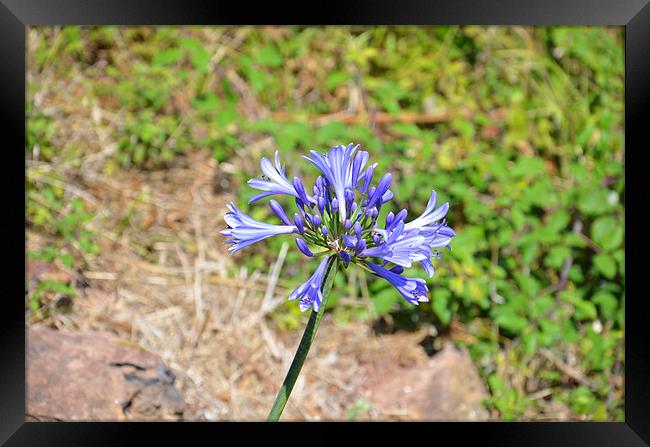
446, 387
39, 270
74, 376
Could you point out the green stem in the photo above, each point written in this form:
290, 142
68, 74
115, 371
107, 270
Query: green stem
305, 343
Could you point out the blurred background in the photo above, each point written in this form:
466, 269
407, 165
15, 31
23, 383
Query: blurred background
138, 137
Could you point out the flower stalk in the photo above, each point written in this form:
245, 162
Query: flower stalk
339, 224
305, 343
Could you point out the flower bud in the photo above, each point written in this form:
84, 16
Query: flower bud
389, 218
277, 209
368, 176
357, 230
299, 223
350, 241
303, 247
345, 257
360, 160
361, 245
300, 189
349, 198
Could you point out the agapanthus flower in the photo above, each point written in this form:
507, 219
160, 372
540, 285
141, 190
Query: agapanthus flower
414, 290
310, 292
341, 219
244, 230
274, 181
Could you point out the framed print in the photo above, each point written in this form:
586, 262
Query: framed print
386, 214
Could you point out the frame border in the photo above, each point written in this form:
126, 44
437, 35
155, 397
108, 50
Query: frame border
634, 15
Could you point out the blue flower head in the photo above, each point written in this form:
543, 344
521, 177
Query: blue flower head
340, 219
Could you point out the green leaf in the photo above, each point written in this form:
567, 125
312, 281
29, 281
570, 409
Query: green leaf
550, 332
67, 259
440, 305
619, 256
605, 265
77, 204
529, 167
257, 78
559, 220
607, 233
574, 240
608, 304
329, 133
335, 79
496, 384
166, 57
556, 256
34, 304
527, 283
530, 343
582, 400
385, 300
512, 322
269, 56
597, 202
139, 154
199, 56
200, 60
569, 332
206, 102
585, 310
541, 305
463, 126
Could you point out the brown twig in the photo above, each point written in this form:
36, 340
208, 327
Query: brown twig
376, 117
568, 370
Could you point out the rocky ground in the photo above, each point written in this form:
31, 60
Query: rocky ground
89, 376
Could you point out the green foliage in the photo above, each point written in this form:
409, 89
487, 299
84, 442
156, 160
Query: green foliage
69, 225
359, 408
508, 401
45, 287
530, 158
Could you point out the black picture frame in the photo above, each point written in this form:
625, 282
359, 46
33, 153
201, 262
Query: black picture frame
634, 15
